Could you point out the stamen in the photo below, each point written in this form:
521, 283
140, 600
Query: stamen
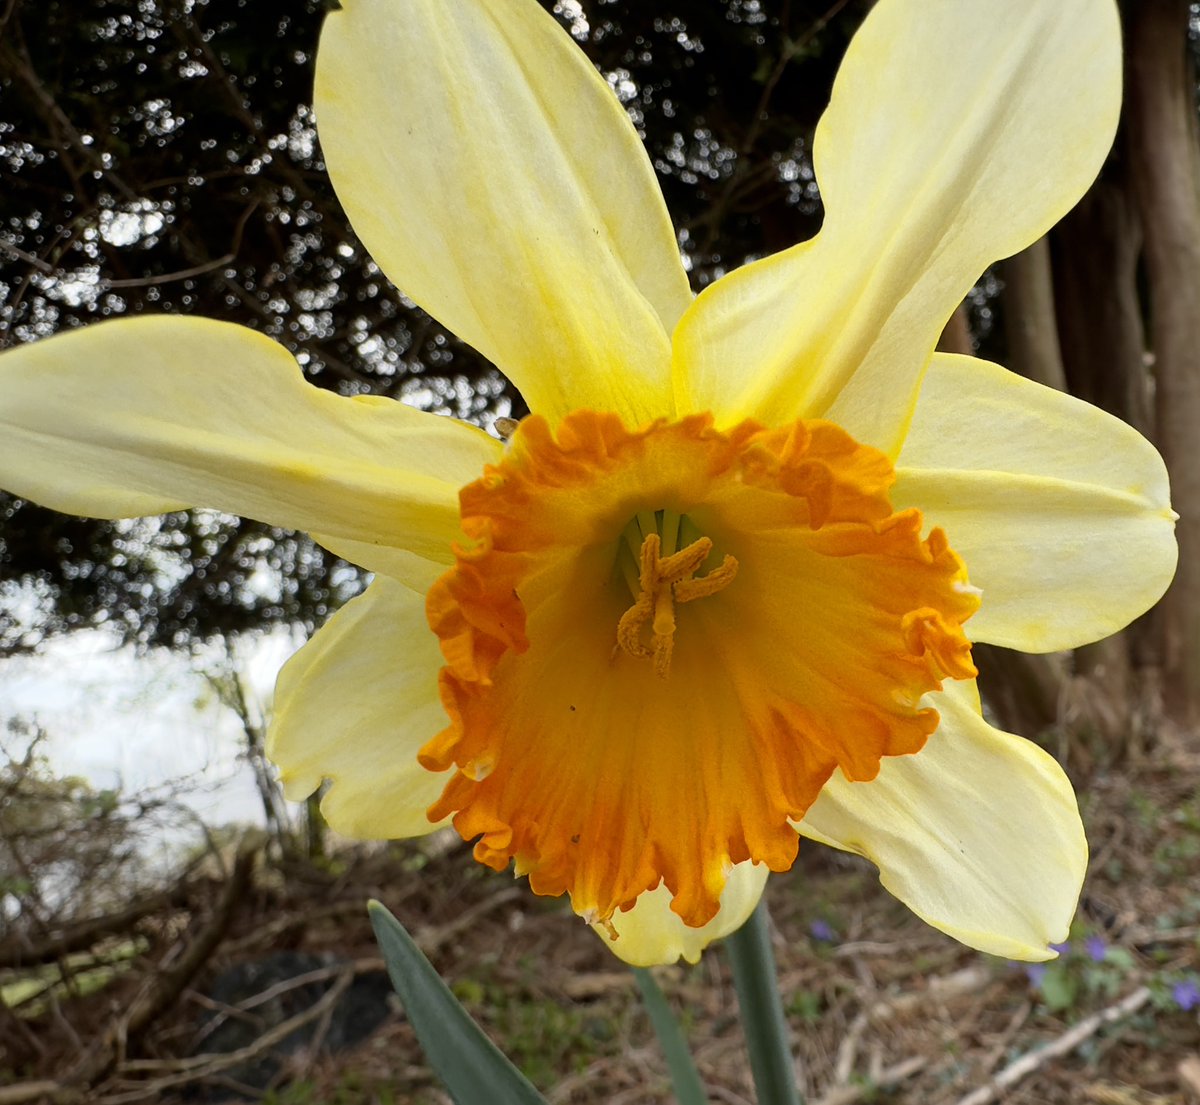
688, 590
663, 581
592, 917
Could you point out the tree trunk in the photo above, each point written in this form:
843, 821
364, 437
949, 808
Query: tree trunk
956, 335
1095, 252
1030, 326
1165, 163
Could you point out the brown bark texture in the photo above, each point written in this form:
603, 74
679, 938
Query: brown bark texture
1096, 251
1029, 321
956, 334
1164, 160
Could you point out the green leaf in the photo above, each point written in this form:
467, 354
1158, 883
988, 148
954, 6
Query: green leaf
763, 1022
471, 1067
1122, 958
685, 1079
1059, 989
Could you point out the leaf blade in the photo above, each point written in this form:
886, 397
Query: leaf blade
471, 1067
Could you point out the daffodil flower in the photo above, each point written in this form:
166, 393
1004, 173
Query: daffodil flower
720, 588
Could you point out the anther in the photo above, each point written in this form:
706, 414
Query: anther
663, 581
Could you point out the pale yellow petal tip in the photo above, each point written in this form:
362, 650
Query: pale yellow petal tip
1021, 927
651, 935
945, 831
1053, 950
297, 788
403, 816
1003, 945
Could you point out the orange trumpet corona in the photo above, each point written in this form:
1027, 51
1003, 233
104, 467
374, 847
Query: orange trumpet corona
659, 644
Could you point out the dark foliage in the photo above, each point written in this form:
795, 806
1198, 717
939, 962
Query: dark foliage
160, 156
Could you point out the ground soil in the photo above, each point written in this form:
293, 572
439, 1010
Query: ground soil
881, 1007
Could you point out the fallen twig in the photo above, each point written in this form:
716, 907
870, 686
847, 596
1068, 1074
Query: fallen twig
886, 1079
204, 1066
224, 1011
27, 1091
945, 988
1006, 1037
79, 935
1067, 1042
165, 988
431, 940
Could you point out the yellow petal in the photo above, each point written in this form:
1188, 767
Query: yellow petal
1060, 511
354, 705
145, 415
650, 933
497, 181
959, 131
399, 564
978, 833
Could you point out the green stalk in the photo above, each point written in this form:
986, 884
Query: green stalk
761, 1008
685, 1080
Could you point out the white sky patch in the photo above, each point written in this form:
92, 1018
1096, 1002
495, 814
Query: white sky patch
134, 722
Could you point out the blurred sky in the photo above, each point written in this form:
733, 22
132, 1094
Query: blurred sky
133, 722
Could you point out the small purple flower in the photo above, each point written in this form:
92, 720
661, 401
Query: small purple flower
822, 931
1035, 972
1062, 948
1186, 994
1097, 948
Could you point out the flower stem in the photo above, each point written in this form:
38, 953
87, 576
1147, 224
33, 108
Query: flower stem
761, 1008
685, 1080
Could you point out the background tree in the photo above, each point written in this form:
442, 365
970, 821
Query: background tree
1160, 139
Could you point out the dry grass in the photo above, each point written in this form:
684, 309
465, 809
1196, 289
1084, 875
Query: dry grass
882, 1008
